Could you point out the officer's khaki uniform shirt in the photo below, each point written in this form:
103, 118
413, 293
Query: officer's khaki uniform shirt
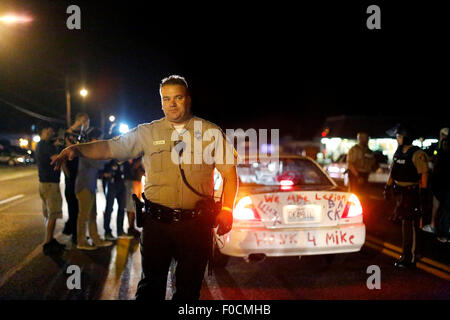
163, 183
363, 159
420, 160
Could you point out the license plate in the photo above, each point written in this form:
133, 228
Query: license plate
301, 214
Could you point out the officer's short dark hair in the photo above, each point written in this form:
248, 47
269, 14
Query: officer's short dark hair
174, 80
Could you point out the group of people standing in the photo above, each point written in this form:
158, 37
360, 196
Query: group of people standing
412, 176
81, 174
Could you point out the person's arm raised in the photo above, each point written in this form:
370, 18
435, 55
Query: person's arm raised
97, 150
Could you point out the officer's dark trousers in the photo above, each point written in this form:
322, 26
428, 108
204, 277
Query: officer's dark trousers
408, 206
189, 243
72, 207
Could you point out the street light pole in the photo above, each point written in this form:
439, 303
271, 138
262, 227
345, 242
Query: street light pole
68, 111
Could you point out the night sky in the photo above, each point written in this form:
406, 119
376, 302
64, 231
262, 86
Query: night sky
258, 64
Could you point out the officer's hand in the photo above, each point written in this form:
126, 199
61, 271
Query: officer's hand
67, 154
225, 222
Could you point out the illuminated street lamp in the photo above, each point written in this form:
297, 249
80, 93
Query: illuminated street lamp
14, 19
123, 128
83, 92
112, 118
23, 143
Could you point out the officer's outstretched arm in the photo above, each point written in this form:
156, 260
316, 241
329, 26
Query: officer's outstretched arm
97, 150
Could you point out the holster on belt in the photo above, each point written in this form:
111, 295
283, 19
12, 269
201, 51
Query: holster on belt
139, 205
210, 209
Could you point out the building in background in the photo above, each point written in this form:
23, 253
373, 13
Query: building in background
338, 135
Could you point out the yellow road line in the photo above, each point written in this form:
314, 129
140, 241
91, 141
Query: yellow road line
384, 244
399, 250
434, 271
383, 250
419, 265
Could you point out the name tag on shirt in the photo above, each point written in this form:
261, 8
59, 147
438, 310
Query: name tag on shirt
159, 142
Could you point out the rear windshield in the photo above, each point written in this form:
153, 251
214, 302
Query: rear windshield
270, 172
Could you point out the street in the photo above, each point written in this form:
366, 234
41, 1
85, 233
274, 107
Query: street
113, 273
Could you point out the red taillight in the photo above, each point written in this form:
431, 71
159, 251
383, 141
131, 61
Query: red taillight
353, 207
245, 210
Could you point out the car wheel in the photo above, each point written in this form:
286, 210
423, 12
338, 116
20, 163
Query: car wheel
219, 259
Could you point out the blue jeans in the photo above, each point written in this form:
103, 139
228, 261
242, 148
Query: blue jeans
115, 191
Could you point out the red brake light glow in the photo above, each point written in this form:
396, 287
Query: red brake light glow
245, 210
353, 207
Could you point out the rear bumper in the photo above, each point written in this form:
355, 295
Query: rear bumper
242, 242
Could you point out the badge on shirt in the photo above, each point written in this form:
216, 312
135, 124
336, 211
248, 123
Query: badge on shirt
159, 142
198, 135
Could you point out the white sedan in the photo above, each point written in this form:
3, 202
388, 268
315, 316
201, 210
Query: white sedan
290, 207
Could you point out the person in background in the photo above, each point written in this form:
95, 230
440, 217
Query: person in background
70, 170
49, 191
361, 162
85, 189
441, 190
133, 172
409, 179
115, 190
432, 226
80, 127
73, 135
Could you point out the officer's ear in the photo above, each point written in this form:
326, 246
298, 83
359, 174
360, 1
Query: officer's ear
189, 101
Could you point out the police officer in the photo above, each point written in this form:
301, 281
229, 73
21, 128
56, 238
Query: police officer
408, 178
184, 233
360, 162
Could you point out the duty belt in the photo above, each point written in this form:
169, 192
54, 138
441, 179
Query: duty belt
399, 188
169, 215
